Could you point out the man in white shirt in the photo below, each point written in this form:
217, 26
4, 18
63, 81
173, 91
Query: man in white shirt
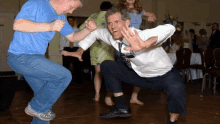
146, 63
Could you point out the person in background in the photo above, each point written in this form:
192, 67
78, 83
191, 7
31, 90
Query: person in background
136, 12
66, 47
202, 40
188, 41
35, 26
194, 39
100, 51
214, 40
178, 38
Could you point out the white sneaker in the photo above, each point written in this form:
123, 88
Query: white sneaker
47, 116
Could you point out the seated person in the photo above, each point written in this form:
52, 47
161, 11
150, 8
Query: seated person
178, 40
187, 40
202, 40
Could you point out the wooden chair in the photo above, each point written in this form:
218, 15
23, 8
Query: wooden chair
209, 66
183, 56
8, 81
202, 65
87, 69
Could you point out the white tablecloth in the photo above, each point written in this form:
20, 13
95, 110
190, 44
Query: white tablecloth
195, 59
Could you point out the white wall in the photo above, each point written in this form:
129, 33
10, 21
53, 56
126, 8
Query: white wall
186, 10
6, 32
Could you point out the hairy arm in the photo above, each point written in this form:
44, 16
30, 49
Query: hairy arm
25, 25
150, 42
102, 34
147, 38
90, 27
75, 37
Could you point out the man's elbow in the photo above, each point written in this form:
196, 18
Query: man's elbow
15, 26
71, 38
171, 28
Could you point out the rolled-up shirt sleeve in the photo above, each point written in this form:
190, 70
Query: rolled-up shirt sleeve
162, 32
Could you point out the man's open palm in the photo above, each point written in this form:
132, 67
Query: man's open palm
136, 43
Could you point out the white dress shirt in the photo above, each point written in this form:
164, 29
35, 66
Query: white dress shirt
150, 62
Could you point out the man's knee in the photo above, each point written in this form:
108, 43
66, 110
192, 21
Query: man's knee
176, 89
105, 65
67, 77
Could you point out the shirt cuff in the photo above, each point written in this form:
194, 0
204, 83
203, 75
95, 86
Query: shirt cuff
83, 46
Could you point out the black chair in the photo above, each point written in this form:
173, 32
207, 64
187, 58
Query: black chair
202, 65
207, 63
214, 70
7, 89
87, 69
183, 56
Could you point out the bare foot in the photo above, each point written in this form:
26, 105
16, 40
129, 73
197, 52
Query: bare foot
108, 101
136, 101
96, 98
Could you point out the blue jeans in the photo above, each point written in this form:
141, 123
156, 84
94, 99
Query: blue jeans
47, 79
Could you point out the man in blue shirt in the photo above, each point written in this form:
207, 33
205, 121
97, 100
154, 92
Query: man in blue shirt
35, 26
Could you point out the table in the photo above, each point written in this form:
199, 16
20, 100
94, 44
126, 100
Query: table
195, 59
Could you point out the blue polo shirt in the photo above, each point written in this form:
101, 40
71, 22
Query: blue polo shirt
36, 43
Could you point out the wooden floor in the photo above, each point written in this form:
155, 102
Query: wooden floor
75, 106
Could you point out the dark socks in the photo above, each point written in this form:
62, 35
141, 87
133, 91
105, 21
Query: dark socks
120, 102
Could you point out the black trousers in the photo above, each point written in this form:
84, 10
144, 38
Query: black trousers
77, 65
170, 84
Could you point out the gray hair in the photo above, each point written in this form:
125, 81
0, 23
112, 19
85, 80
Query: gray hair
124, 13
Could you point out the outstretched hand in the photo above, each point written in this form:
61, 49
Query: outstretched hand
136, 43
151, 18
76, 54
73, 54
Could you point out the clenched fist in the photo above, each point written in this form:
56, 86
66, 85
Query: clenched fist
57, 25
91, 25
